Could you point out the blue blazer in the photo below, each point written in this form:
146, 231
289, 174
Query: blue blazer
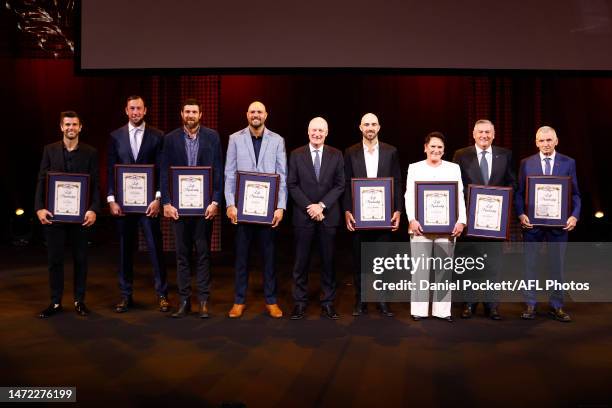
532, 166
120, 152
209, 154
241, 157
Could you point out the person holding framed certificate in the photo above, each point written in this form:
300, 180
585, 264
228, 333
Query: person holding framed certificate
485, 165
548, 162
259, 150
370, 158
137, 143
192, 145
439, 245
68, 156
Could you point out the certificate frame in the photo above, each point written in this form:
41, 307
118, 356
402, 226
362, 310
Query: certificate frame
502, 230
244, 180
140, 170
176, 175
565, 196
450, 187
83, 198
379, 184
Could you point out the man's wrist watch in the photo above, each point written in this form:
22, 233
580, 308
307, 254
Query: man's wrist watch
322, 205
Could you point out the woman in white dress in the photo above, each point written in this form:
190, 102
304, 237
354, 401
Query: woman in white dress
437, 245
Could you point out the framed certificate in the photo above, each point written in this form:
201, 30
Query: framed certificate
436, 206
191, 189
548, 200
372, 202
134, 187
67, 196
489, 212
256, 197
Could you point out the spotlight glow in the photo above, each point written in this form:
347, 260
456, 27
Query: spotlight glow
599, 214
19, 212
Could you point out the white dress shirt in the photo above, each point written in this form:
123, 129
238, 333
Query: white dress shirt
488, 157
312, 153
543, 162
371, 160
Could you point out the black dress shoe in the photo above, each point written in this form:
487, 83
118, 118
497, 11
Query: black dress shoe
81, 309
183, 310
559, 315
203, 310
445, 318
329, 312
529, 313
164, 304
418, 318
124, 305
360, 308
494, 314
298, 312
467, 311
384, 309
50, 311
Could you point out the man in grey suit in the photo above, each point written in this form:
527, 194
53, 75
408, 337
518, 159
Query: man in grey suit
255, 149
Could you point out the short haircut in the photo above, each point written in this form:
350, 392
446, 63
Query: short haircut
438, 135
546, 129
484, 121
191, 101
135, 97
69, 114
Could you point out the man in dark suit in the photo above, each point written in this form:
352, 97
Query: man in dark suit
370, 158
69, 156
192, 145
315, 183
546, 162
137, 143
484, 164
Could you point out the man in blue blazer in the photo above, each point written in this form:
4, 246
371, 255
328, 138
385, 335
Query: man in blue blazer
137, 143
255, 149
192, 145
315, 183
546, 162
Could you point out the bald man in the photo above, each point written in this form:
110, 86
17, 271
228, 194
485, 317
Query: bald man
255, 149
315, 183
370, 158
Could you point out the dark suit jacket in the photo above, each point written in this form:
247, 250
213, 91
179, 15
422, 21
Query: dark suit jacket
305, 189
120, 152
502, 173
85, 162
388, 166
532, 166
209, 154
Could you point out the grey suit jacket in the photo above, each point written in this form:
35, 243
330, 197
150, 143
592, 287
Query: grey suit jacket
241, 157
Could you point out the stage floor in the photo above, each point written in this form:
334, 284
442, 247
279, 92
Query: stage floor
144, 358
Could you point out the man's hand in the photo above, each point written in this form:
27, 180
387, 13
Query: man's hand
314, 210
458, 229
395, 221
319, 218
350, 221
525, 221
211, 211
153, 209
43, 216
415, 228
278, 216
115, 209
90, 219
232, 214
571, 223
170, 212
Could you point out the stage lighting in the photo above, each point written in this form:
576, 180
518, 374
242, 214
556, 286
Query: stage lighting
19, 212
20, 228
599, 214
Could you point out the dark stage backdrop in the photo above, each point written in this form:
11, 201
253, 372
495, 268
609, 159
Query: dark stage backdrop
409, 106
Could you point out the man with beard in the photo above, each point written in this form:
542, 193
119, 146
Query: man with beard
192, 145
255, 149
137, 143
370, 158
69, 156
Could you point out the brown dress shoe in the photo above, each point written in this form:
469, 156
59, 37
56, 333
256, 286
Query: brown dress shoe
164, 305
274, 311
236, 311
559, 315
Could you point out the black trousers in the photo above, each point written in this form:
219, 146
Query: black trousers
358, 238
190, 232
304, 237
57, 235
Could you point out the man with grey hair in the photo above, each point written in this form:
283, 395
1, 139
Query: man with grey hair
484, 164
546, 163
315, 183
